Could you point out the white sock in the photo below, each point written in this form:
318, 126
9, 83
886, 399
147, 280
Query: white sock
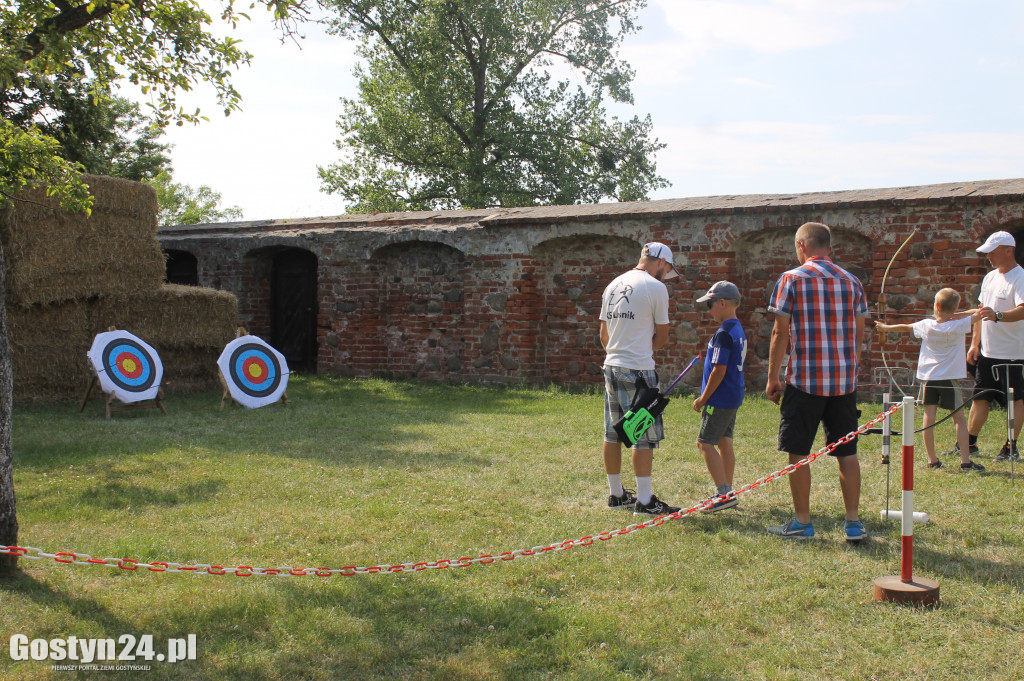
615, 485
643, 490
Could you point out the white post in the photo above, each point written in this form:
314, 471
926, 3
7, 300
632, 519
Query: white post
907, 525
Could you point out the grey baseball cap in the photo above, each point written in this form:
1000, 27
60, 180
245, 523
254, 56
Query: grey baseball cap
721, 290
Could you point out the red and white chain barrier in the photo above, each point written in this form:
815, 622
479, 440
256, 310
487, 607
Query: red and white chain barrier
74, 558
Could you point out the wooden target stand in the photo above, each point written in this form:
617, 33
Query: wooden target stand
224, 384
155, 403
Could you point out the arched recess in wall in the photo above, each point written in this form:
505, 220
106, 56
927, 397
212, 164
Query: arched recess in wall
762, 257
423, 287
572, 272
281, 302
1017, 230
182, 267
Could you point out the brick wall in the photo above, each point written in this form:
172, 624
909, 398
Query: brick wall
513, 295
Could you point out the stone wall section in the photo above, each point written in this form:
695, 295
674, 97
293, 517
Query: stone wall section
513, 295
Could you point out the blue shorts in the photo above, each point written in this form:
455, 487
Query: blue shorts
619, 388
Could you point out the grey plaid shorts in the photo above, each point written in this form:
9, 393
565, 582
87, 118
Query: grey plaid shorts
619, 387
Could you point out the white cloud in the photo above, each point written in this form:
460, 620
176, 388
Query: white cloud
699, 28
750, 82
264, 158
758, 157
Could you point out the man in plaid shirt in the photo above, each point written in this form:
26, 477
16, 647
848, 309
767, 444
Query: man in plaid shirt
820, 311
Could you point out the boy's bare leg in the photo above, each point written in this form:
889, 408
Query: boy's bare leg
929, 434
728, 458
962, 439
714, 461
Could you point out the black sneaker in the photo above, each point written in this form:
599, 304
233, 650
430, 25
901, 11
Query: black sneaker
628, 498
1005, 454
935, 464
727, 502
654, 507
971, 466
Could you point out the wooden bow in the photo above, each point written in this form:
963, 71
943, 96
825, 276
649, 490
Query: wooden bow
882, 311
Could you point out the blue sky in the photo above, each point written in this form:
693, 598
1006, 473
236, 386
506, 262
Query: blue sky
751, 97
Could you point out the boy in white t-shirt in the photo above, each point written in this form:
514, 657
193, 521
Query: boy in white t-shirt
943, 358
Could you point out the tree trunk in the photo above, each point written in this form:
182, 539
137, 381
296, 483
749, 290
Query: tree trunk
8, 512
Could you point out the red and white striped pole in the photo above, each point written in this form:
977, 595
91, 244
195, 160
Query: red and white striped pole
907, 525
905, 588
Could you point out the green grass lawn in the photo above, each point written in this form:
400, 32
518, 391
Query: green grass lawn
371, 472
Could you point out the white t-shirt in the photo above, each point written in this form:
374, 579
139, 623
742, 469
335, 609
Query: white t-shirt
943, 350
631, 305
1002, 293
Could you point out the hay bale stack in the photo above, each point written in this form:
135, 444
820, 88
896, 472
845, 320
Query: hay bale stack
48, 346
171, 316
188, 325
53, 255
70, 277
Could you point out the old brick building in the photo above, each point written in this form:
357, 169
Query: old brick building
512, 294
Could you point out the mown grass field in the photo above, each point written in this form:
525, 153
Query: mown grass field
368, 472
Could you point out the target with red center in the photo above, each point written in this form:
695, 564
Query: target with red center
255, 373
128, 367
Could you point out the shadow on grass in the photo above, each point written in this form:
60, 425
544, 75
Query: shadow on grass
881, 545
367, 628
336, 421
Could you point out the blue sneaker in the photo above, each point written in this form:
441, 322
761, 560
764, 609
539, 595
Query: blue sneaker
794, 529
855, 531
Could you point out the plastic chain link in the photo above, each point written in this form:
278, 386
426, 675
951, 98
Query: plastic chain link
71, 558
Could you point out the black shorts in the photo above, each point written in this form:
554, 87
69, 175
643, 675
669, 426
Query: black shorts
942, 393
992, 378
802, 412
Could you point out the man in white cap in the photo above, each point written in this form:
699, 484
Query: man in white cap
634, 323
999, 339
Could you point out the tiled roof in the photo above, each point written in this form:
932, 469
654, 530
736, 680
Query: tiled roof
970, 192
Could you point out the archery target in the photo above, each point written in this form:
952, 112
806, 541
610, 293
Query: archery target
128, 368
255, 373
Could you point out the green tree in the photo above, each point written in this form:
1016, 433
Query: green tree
163, 46
107, 134
459, 105
181, 204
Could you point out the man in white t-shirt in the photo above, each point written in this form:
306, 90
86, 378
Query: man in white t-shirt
942, 360
998, 338
634, 323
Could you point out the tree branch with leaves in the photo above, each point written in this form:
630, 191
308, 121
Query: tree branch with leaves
459, 106
165, 47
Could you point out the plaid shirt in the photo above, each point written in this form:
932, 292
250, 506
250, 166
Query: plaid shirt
822, 301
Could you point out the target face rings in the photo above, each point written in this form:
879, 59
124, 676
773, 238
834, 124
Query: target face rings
128, 365
254, 370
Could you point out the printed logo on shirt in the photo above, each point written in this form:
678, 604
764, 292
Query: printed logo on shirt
620, 293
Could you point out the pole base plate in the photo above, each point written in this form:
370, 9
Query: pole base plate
920, 591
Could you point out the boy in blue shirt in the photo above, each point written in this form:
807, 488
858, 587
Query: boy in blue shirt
721, 390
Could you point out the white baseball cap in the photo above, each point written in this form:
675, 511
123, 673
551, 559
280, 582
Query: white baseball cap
995, 240
656, 249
